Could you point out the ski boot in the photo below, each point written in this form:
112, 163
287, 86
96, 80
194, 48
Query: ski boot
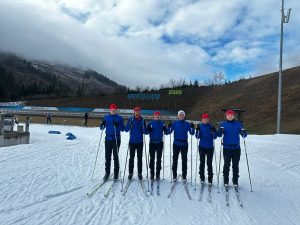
210, 182
116, 177
140, 176
106, 176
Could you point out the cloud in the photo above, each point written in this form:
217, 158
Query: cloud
152, 41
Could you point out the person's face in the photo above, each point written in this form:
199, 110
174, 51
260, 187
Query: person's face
205, 120
113, 111
181, 116
137, 114
230, 117
156, 117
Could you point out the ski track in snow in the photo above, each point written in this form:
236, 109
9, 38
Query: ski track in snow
46, 182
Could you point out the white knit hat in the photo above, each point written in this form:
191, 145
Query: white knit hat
181, 112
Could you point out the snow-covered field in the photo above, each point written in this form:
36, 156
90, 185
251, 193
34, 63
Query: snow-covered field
46, 182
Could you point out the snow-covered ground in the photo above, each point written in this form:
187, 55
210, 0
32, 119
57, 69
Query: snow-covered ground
46, 182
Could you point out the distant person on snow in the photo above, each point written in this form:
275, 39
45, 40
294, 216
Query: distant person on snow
156, 129
49, 120
180, 144
136, 125
206, 133
86, 117
114, 124
16, 121
231, 131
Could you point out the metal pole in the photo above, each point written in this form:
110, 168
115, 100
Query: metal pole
215, 153
146, 160
163, 156
117, 146
170, 157
125, 167
247, 164
97, 154
284, 19
191, 161
196, 163
280, 71
220, 163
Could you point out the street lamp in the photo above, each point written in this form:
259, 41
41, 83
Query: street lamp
284, 19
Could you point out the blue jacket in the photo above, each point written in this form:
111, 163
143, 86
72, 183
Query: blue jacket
231, 135
136, 128
158, 128
205, 135
181, 129
109, 125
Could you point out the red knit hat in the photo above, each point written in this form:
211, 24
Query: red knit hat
157, 113
205, 116
137, 109
113, 106
229, 112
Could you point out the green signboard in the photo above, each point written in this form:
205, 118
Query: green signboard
175, 92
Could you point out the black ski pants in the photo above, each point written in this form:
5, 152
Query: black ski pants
183, 150
208, 153
111, 148
231, 155
138, 148
155, 148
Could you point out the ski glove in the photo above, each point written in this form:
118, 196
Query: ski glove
213, 129
243, 132
102, 124
115, 123
197, 128
222, 129
192, 125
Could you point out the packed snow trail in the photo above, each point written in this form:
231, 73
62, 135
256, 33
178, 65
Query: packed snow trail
46, 182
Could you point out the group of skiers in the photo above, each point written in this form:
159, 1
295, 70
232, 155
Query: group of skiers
229, 130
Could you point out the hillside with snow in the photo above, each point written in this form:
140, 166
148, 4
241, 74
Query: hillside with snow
46, 182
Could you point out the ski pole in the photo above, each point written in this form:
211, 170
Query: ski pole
191, 160
170, 157
196, 165
163, 156
148, 156
247, 163
215, 154
125, 167
220, 162
146, 161
117, 146
97, 154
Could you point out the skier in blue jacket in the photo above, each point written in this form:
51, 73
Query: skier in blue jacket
114, 124
156, 129
180, 128
206, 133
136, 125
231, 131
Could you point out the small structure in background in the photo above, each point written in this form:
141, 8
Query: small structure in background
8, 136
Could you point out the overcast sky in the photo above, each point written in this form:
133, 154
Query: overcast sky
148, 42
